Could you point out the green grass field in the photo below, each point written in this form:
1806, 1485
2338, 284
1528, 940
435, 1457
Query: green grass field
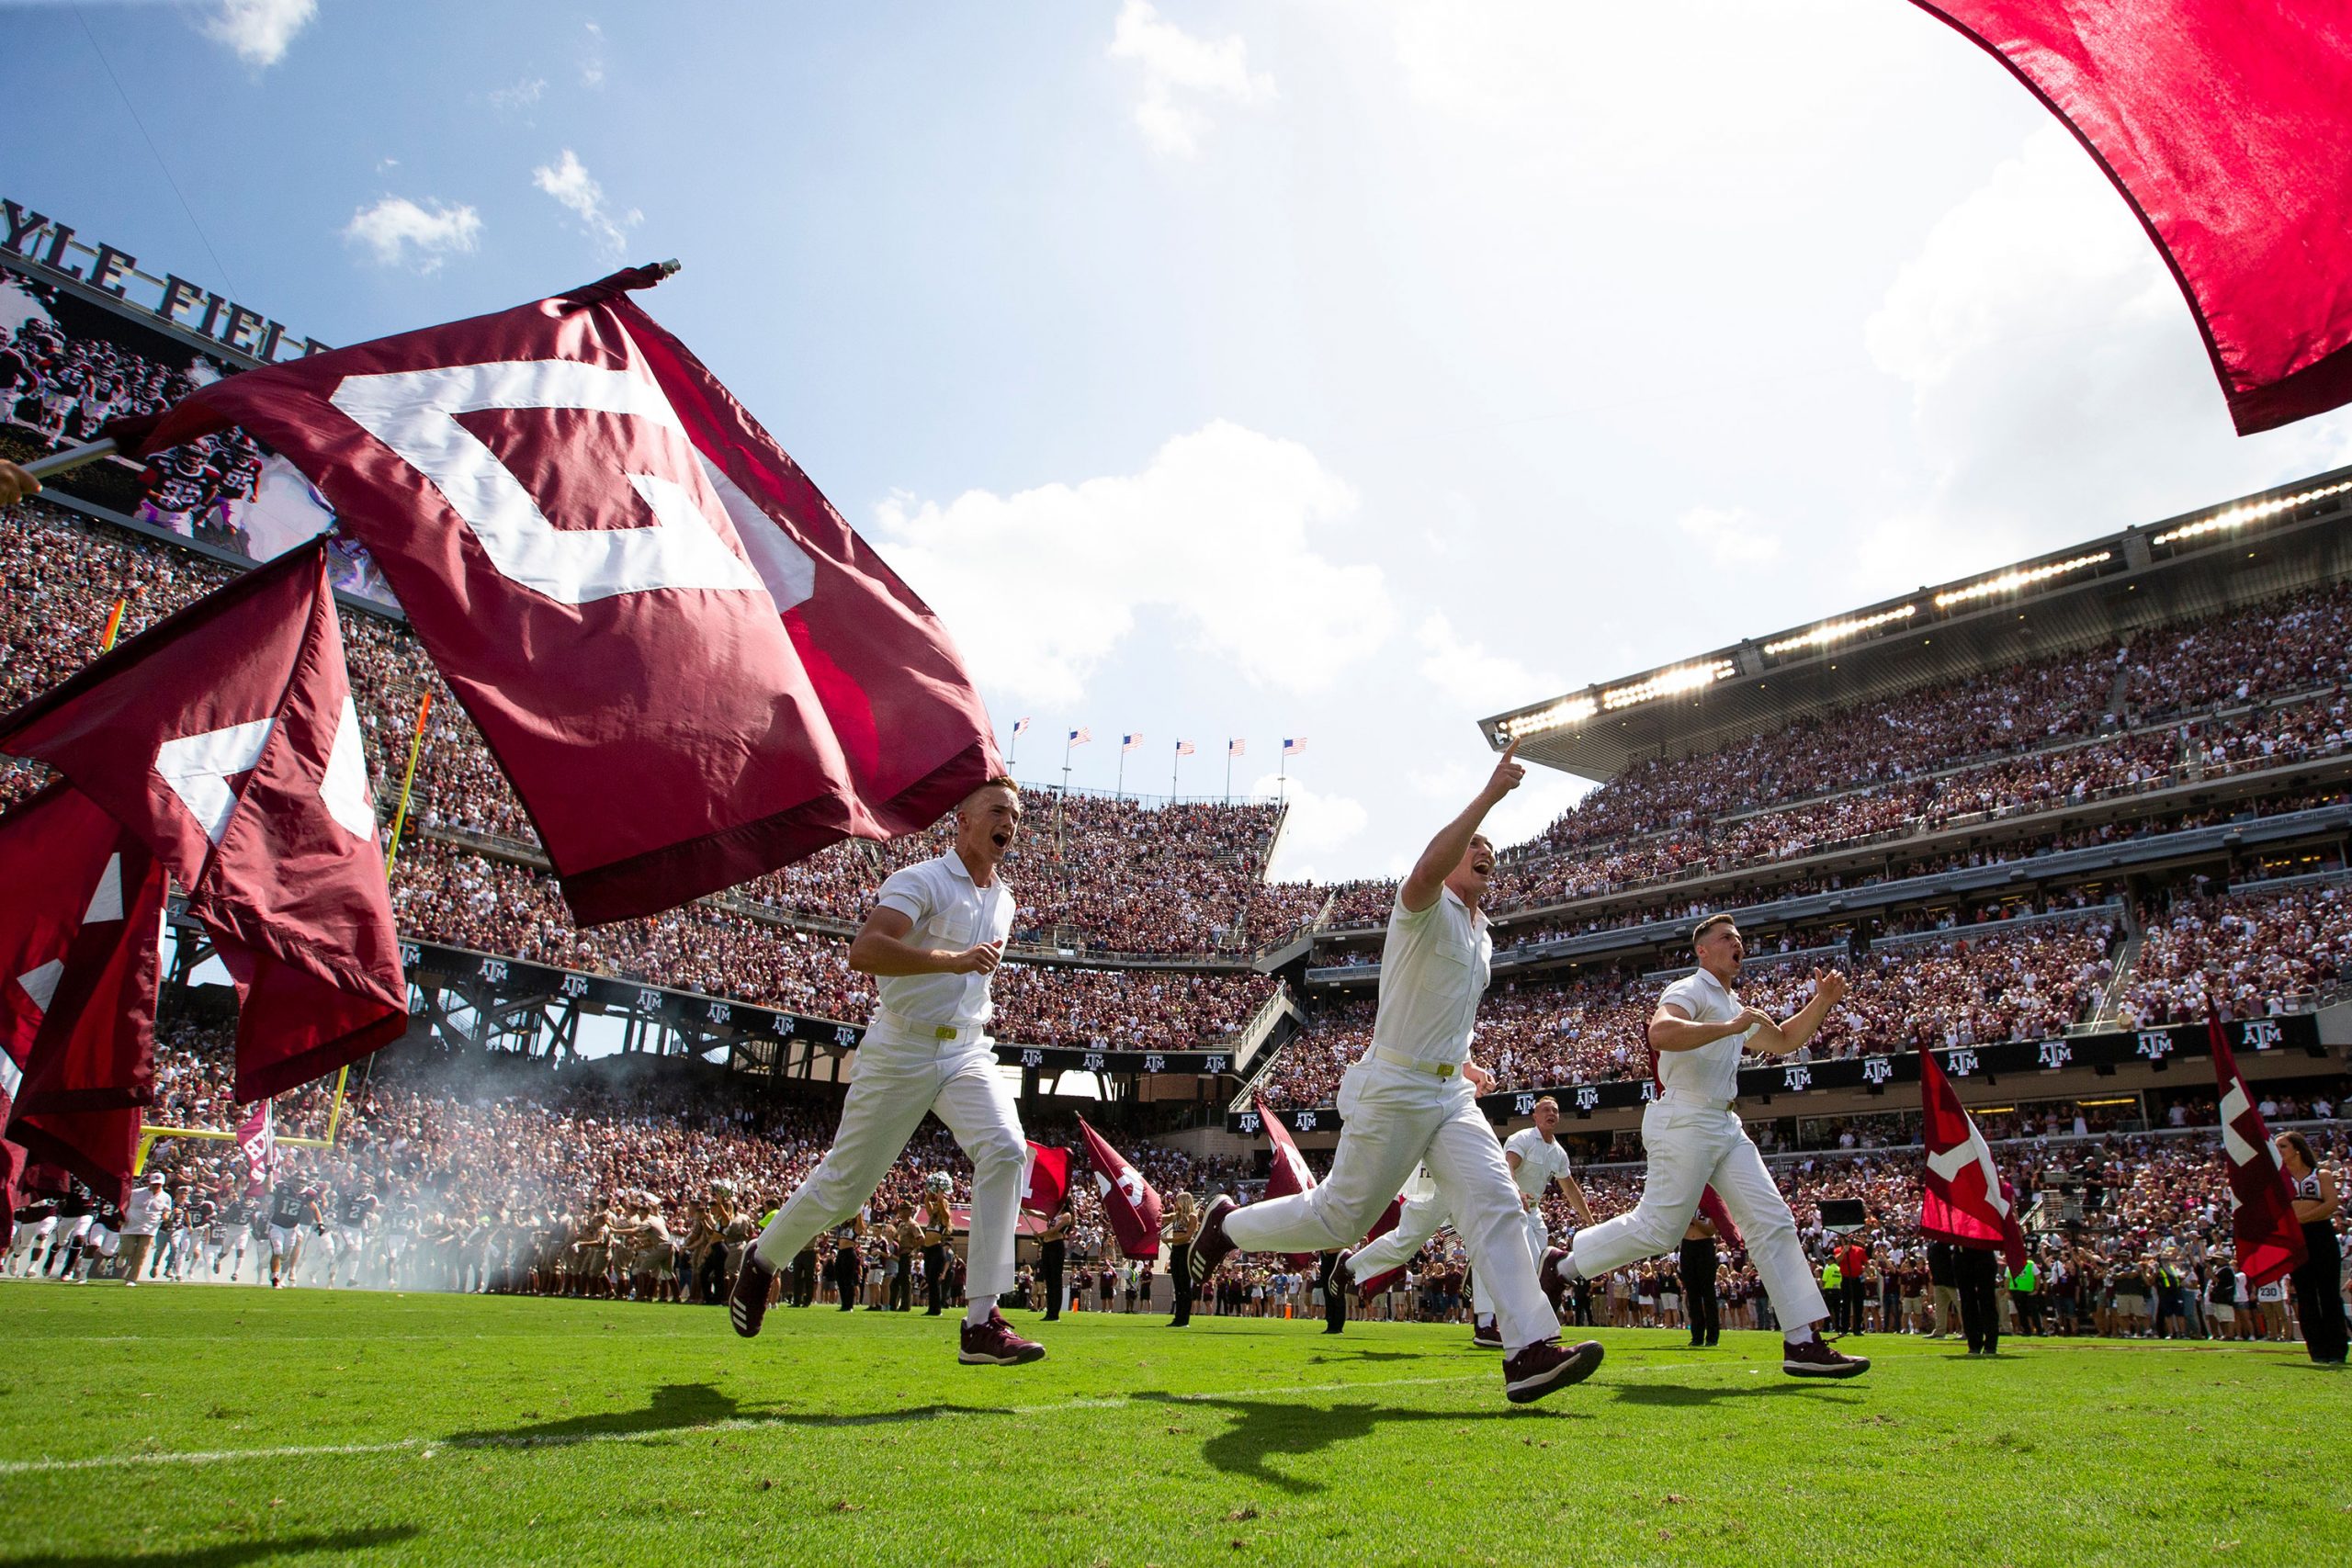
196, 1425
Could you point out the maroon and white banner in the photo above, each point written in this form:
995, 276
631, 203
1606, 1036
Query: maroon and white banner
257, 1141
626, 580
79, 964
1964, 1202
2227, 126
1289, 1173
226, 740
1047, 1181
1129, 1204
2269, 1239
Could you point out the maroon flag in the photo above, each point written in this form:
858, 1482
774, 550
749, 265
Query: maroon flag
1720, 1217
623, 577
2227, 126
1964, 1202
79, 964
2262, 1205
257, 1141
226, 740
1289, 1173
1381, 1227
1128, 1201
1047, 1181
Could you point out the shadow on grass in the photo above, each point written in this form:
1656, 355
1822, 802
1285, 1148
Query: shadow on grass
1336, 1354
1673, 1393
236, 1553
677, 1407
1264, 1428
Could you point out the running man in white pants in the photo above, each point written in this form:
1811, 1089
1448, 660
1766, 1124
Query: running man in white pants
1413, 1099
1694, 1140
1536, 1160
934, 939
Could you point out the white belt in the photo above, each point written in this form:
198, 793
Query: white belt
892, 1023
1692, 1097
1414, 1063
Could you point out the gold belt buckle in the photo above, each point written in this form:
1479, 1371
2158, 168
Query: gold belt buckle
944, 1031
1445, 1069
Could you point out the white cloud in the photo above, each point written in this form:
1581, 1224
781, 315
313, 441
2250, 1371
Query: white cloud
1217, 532
568, 182
592, 56
1179, 72
1316, 824
522, 95
1731, 537
1471, 677
400, 231
260, 30
1523, 813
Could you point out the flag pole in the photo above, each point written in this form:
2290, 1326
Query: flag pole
1119, 785
1228, 770
1173, 764
114, 626
72, 458
400, 817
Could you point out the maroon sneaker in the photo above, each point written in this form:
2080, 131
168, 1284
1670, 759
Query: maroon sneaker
1486, 1337
1212, 1247
1554, 1279
1815, 1358
1544, 1366
747, 1298
993, 1344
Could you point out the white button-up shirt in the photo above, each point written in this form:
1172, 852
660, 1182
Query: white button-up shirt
1539, 1163
952, 914
1712, 1070
1433, 969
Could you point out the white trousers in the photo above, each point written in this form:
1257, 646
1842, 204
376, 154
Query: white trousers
893, 1085
1396, 1118
1691, 1149
1423, 1218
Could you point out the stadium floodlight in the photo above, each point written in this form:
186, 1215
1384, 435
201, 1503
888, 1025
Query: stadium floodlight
2250, 512
1665, 682
1568, 711
2025, 577
1834, 631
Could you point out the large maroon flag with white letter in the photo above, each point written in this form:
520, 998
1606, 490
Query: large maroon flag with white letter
1289, 1173
1129, 1204
2227, 125
2262, 1206
1047, 1181
79, 961
689, 666
226, 740
1962, 1201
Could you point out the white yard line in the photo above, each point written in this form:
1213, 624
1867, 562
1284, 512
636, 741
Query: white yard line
428, 1447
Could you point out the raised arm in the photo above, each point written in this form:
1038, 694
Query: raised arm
881, 947
1779, 1039
1453, 841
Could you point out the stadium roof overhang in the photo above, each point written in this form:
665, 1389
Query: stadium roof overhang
2213, 559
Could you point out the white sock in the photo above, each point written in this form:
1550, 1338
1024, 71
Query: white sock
979, 1310
1800, 1335
1485, 1320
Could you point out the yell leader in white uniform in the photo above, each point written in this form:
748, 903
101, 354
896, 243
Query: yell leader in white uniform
1693, 1138
1411, 1100
1536, 1160
934, 939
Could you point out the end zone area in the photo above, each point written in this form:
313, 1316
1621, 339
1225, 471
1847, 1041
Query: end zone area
222, 1427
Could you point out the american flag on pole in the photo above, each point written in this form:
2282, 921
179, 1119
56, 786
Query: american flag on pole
1129, 742
1236, 747
1292, 747
1020, 727
1183, 748
1080, 736
257, 1141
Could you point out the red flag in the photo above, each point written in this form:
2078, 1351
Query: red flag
1047, 1181
2262, 1205
1964, 1202
622, 576
1290, 1173
1128, 1201
226, 739
1720, 1217
2227, 125
257, 1141
1380, 1227
79, 964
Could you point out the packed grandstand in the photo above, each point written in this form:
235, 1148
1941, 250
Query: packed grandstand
2085, 801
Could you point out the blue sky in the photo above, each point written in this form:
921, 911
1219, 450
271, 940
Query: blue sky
1344, 370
